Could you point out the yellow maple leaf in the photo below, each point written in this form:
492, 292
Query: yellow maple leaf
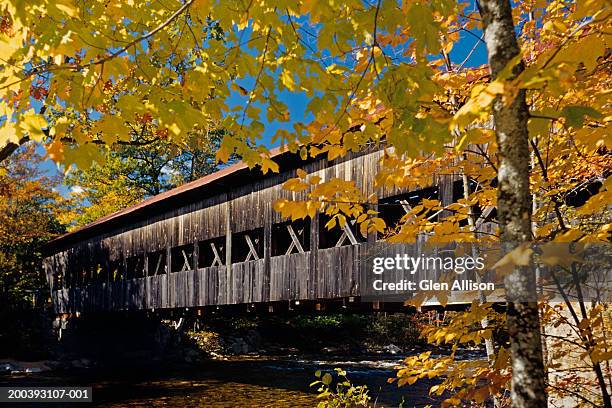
32, 124
55, 151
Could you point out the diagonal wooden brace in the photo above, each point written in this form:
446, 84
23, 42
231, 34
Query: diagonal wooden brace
295, 242
186, 265
158, 264
347, 233
217, 259
252, 251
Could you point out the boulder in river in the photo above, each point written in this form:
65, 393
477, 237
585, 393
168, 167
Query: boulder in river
392, 349
17, 367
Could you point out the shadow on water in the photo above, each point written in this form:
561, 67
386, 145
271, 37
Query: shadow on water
241, 382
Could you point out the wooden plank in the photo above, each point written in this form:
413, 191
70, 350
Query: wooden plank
228, 252
265, 284
312, 282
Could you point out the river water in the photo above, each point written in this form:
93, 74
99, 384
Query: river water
238, 382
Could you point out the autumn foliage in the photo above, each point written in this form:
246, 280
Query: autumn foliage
79, 78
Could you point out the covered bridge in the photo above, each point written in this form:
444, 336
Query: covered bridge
218, 241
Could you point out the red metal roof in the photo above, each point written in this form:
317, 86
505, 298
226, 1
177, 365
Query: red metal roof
218, 175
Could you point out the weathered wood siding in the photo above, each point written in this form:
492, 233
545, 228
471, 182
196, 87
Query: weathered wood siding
243, 206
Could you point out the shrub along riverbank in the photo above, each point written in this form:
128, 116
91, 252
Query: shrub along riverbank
103, 339
340, 334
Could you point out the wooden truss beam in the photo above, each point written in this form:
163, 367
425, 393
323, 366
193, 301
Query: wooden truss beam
295, 242
252, 252
217, 258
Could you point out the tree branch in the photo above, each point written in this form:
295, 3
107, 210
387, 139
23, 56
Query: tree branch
112, 55
257, 79
10, 148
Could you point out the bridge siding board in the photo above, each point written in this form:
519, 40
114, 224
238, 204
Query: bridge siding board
316, 274
265, 281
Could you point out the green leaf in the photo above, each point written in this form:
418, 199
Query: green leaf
575, 115
424, 28
327, 379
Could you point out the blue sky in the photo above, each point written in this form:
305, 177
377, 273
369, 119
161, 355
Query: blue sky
297, 101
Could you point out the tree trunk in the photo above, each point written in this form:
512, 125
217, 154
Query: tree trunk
514, 211
482, 298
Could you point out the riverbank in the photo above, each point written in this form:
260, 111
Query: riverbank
89, 340
332, 334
